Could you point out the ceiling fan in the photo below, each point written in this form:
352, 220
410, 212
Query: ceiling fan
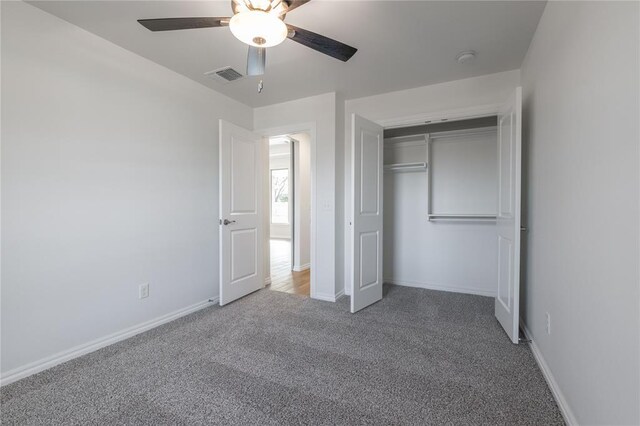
260, 24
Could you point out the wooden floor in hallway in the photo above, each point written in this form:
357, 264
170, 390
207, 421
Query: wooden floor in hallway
282, 277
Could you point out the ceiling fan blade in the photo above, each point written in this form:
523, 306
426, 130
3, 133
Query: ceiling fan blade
170, 24
256, 60
292, 4
321, 43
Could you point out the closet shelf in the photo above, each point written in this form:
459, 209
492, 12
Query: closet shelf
463, 217
406, 167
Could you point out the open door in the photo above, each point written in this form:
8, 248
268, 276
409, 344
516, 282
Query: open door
292, 201
507, 304
241, 239
366, 225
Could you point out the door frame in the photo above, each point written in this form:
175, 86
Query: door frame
309, 128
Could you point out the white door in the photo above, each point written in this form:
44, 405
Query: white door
366, 226
292, 200
507, 304
240, 213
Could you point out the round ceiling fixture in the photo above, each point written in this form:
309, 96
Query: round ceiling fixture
466, 56
258, 28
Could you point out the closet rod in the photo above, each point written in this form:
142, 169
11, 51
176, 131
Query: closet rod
402, 167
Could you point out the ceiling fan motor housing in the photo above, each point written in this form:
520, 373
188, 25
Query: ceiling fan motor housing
278, 7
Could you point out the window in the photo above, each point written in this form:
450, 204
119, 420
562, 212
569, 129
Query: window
280, 196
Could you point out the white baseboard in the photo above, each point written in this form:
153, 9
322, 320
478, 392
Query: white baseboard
566, 411
328, 297
77, 351
324, 297
441, 287
267, 280
300, 268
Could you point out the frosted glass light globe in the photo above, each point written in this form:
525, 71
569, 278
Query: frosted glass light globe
258, 28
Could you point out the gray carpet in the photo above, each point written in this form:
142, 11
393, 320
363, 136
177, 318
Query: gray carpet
416, 357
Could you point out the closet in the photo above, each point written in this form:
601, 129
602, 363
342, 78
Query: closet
440, 201
437, 206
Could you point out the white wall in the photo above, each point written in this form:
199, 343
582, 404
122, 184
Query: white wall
318, 112
581, 97
302, 199
109, 180
463, 243
279, 158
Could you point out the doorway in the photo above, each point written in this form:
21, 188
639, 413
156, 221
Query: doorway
289, 179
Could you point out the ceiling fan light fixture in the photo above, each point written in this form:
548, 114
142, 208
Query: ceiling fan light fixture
258, 28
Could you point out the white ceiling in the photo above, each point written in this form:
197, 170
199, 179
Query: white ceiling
401, 44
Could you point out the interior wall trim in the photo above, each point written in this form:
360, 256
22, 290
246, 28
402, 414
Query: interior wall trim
327, 297
565, 409
441, 287
83, 349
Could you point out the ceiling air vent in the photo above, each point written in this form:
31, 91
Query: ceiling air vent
224, 75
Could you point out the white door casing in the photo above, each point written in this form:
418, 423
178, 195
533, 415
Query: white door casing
507, 303
241, 221
366, 224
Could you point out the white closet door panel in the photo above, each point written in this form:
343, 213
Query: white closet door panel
366, 228
507, 304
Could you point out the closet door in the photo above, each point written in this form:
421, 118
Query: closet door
507, 304
366, 225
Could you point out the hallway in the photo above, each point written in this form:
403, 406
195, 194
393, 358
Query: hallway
282, 277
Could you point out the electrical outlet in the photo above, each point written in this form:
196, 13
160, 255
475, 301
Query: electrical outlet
548, 323
143, 291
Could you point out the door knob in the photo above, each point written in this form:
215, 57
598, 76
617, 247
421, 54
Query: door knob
227, 221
